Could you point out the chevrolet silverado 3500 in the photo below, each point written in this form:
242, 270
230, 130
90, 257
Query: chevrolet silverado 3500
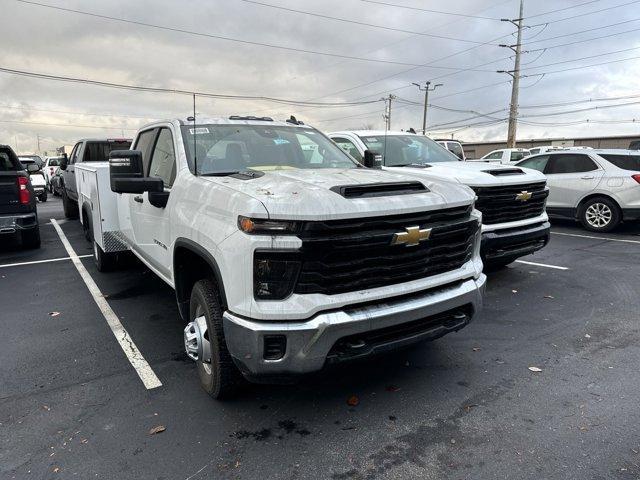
285, 254
512, 199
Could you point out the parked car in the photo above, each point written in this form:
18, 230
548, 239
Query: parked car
453, 146
507, 156
51, 165
34, 158
36, 176
18, 211
513, 224
600, 188
284, 252
87, 150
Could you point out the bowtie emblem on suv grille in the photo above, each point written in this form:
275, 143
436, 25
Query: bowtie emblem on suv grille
411, 236
524, 196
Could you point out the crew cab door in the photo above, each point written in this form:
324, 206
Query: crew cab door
570, 176
150, 224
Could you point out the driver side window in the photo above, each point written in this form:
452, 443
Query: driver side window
494, 156
163, 160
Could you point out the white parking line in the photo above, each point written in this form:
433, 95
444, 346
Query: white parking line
556, 267
596, 238
41, 261
136, 359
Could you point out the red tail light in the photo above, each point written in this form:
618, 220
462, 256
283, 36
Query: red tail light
636, 177
24, 194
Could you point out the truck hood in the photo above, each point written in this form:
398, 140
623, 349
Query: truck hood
307, 195
474, 174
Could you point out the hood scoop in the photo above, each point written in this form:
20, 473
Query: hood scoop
379, 189
504, 172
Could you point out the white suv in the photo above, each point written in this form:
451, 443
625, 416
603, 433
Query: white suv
600, 188
508, 156
512, 200
285, 253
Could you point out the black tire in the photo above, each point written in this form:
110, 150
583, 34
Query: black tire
599, 214
220, 378
87, 226
105, 262
43, 196
31, 238
69, 206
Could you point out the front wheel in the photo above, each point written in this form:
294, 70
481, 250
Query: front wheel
43, 196
69, 206
599, 214
219, 376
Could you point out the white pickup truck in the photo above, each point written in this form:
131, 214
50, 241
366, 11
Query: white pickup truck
285, 254
511, 199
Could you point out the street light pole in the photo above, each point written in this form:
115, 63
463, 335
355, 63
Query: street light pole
426, 89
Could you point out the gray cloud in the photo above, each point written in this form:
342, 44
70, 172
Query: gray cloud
62, 43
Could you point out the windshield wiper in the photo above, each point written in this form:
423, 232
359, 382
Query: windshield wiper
219, 174
418, 165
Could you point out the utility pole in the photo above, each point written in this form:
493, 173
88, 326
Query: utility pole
387, 108
38, 143
515, 75
426, 89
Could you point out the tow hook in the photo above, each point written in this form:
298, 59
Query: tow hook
196, 345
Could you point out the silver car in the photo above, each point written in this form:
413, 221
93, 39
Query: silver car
600, 188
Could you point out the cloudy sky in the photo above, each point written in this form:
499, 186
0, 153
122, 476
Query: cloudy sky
404, 41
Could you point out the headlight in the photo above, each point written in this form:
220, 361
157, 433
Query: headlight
257, 226
274, 275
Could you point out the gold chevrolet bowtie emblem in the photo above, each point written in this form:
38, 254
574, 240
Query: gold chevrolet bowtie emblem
523, 196
412, 236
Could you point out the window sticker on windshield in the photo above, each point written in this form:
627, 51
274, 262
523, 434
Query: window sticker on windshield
280, 141
198, 130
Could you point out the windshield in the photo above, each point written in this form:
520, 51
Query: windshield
54, 162
232, 148
408, 150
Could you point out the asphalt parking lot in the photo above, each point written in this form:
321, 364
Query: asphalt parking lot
464, 407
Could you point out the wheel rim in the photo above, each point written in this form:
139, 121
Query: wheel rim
205, 366
598, 215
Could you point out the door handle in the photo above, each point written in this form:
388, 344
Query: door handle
138, 199
588, 177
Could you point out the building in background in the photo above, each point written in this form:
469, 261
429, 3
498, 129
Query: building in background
479, 149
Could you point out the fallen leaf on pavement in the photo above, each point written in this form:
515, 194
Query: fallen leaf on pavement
514, 291
54, 314
353, 401
392, 388
549, 296
476, 349
157, 429
587, 335
535, 369
56, 469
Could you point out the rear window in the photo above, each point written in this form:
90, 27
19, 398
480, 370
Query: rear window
515, 156
6, 165
54, 162
99, 151
625, 162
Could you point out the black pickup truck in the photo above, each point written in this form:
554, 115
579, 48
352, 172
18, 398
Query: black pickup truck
18, 215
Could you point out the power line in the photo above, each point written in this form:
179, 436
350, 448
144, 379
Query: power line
583, 58
356, 22
177, 91
428, 10
601, 27
67, 112
583, 66
560, 9
587, 13
577, 102
221, 37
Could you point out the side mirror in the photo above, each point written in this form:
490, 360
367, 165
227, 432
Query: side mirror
372, 159
64, 161
126, 173
33, 167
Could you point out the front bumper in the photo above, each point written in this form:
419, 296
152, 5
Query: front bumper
351, 332
14, 223
514, 242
